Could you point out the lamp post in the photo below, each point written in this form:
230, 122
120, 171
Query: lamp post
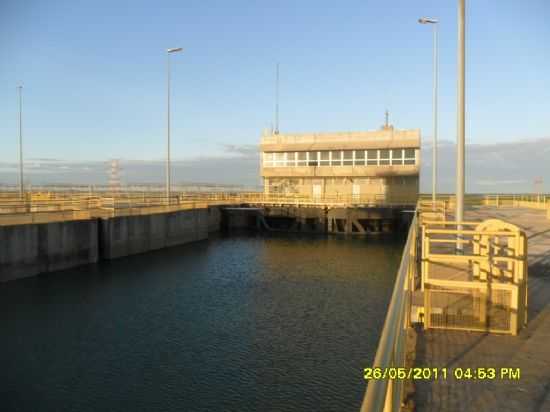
461, 121
21, 191
434, 23
168, 168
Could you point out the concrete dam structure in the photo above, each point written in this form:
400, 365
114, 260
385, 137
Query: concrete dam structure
31, 249
34, 248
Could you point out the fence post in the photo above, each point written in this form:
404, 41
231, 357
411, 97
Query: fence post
424, 264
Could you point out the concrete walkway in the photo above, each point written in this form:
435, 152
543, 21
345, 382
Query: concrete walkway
529, 351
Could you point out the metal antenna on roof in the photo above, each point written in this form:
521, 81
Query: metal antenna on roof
387, 118
277, 101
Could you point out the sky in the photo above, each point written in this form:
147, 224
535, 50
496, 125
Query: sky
94, 73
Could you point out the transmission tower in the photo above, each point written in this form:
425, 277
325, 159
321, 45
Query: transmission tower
114, 176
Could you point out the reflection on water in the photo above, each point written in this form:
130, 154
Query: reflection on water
240, 323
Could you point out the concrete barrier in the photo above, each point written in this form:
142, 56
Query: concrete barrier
30, 249
130, 235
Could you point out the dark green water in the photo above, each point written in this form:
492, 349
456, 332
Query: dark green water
240, 323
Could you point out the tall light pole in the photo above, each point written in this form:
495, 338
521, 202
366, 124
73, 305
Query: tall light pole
21, 191
434, 23
168, 168
461, 121
277, 101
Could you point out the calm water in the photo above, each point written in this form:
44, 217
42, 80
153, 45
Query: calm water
240, 323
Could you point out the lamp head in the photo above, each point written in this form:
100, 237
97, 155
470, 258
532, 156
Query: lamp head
427, 20
174, 50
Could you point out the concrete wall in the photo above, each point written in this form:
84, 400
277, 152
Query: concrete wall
240, 218
30, 249
390, 188
129, 235
214, 219
27, 250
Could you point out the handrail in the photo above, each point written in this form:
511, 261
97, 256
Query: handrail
128, 202
381, 394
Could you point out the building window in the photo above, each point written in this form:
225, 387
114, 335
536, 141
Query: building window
359, 159
313, 159
325, 158
302, 159
268, 159
384, 157
410, 157
397, 157
372, 157
291, 159
348, 157
336, 158
280, 159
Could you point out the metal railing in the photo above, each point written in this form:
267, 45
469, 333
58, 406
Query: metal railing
540, 201
39, 201
387, 394
99, 204
482, 287
12, 207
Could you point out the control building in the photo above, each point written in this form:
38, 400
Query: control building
381, 165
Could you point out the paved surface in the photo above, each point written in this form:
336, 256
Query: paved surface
529, 351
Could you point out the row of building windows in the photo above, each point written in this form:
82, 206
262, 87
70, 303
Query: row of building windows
373, 157
337, 181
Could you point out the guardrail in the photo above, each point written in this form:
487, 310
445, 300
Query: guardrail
541, 201
39, 201
120, 204
127, 203
387, 394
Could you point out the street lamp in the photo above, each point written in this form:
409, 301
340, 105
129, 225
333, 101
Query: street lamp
433, 22
168, 169
461, 122
20, 89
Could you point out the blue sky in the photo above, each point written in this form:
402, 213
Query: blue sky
95, 82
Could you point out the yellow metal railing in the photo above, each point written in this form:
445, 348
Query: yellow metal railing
483, 285
100, 204
12, 206
387, 394
541, 201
